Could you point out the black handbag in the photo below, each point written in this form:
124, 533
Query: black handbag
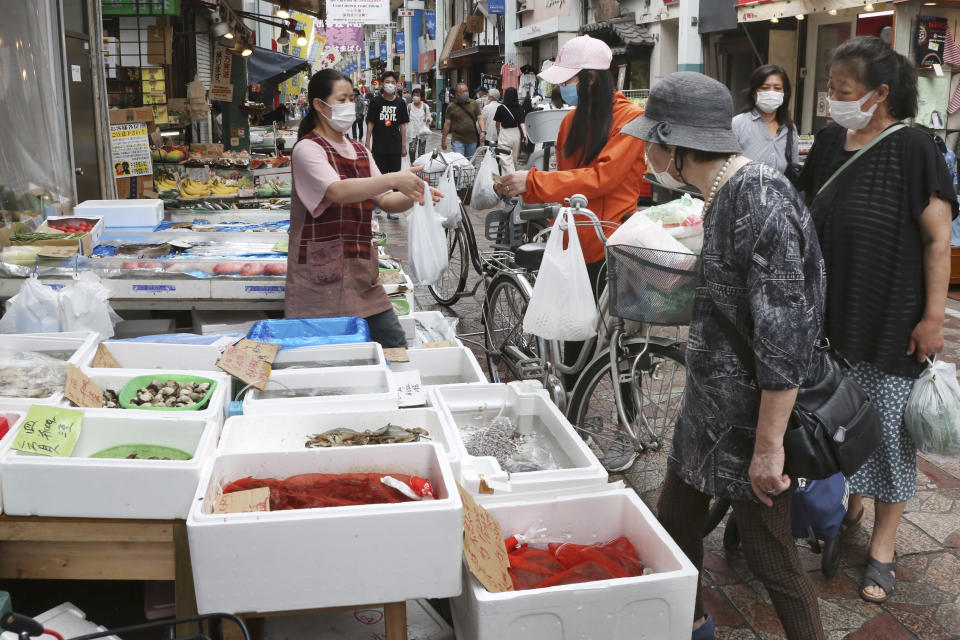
834, 426
792, 172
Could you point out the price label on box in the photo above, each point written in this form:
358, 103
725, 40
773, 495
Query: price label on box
246, 366
49, 431
103, 359
409, 389
81, 390
483, 546
249, 501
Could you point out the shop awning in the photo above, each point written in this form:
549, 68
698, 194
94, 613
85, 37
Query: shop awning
756, 10
266, 64
453, 42
625, 29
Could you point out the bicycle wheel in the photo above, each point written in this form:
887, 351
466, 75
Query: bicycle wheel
503, 310
658, 380
448, 289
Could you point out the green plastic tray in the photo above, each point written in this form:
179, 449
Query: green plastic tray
143, 451
129, 391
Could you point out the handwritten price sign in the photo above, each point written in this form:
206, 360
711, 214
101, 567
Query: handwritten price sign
81, 390
248, 501
262, 350
246, 366
103, 359
483, 546
49, 431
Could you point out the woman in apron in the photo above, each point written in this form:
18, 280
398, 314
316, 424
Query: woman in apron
332, 265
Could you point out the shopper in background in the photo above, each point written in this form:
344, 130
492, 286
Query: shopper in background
420, 121
884, 225
487, 122
360, 109
387, 120
332, 265
510, 128
765, 130
463, 119
762, 269
481, 95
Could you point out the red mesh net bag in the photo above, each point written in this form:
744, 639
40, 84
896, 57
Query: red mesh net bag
617, 557
312, 490
529, 567
567, 563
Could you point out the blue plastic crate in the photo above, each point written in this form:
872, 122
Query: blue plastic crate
308, 332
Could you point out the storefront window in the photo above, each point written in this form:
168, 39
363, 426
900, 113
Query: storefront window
829, 37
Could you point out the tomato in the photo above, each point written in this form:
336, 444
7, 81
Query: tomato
251, 269
227, 268
275, 269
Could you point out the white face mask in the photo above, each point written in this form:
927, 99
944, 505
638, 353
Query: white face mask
664, 177
341, 116
848, 115
769, 101
390, 88
416, 99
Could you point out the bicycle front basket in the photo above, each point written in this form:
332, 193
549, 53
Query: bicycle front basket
652, 286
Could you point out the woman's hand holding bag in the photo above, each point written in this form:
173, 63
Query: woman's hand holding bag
562, 306
484, 194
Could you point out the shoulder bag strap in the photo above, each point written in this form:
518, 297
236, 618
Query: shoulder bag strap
474, 120
886, 132
789, 150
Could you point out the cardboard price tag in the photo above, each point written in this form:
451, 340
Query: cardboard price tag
483, 546
246, 366
437, 345
243, 501
81, 390
409, 389
264, 351
398, 354
103, 359
392, 277
49, 431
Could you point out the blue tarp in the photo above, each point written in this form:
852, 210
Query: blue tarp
266, 64
308, 332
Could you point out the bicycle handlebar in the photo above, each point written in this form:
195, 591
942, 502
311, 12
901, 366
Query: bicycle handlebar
539, 213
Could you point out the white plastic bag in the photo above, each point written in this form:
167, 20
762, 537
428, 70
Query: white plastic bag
85, 306
932, 415
449, 206
484, 195
35, 309
562, 306
428, 244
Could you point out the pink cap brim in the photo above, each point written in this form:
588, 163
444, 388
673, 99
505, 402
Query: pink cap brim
557, 74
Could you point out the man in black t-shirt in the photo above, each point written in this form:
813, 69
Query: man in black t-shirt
387, 120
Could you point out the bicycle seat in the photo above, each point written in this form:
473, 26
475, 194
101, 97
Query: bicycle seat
530, 255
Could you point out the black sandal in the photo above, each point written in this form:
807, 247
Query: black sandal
850, 525
878, 574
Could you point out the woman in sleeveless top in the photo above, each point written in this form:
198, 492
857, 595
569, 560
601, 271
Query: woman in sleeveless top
332, 265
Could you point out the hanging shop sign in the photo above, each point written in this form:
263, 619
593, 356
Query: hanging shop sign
140, 7
383, 50
358, 11
431, 25
343, 37
497, 7
130, 149
319, 43
405, 13
222, 64
400, 42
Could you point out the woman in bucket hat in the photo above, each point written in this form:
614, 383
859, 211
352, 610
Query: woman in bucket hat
761, 269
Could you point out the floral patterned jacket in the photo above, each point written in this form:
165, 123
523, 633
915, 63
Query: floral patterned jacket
761, 267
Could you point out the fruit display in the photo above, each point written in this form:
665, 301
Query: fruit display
274, 186
270, 162
72, 226
190, 188
170, 154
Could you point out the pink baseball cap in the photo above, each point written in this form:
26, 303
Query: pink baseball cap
582, 52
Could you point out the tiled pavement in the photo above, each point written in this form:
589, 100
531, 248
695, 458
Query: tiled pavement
926, 604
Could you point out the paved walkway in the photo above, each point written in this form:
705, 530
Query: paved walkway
926, 605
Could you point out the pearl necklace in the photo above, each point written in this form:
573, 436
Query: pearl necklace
716, 183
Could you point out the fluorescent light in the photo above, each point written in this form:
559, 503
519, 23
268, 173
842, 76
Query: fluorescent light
800, 16
875, 14
774, 20
869, 8
832, 12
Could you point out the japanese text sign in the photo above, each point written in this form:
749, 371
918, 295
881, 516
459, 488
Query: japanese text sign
81, 390
49, 431
483, 546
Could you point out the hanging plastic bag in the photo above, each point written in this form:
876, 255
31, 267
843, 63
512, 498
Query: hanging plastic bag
484, 195
85, 306
449, 206
405, 162
35, 309
428, 244
932, 415
562, 306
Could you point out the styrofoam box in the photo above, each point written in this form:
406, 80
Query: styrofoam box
209, 322
356, 388
331, 355
423, 623
285, 432
124, 213
657, 606
149, 355
580, 468
392, 288
115, 379
337, 556
434, 317
14, 418
67, 620
81, 345
84, 487
442, 366
135, 328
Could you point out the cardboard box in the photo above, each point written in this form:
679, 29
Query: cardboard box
66, 247
128, 188
160, 44
96, 220
138, 114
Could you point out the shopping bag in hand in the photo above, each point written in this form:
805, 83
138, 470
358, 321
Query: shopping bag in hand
484, 195
932, 415
428, 244
449, 207
562, 306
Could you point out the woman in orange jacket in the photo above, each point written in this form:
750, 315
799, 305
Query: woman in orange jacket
594, 158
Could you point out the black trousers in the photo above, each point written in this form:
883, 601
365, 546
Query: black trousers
387, 162
358, 129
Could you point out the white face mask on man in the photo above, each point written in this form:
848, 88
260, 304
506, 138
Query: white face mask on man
389, 88
848, 115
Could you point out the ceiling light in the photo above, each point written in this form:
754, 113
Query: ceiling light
832, 12
228, 35
301, 39
284, 39
246, 51
929, 4
774, 20
219, 28
869, 7
800, 16
284, 11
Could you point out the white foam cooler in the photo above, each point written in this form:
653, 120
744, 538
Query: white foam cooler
359, 354
338, 556
13, 421
80, 346
216, 408
658, 606
330, 389
532, 411
153, 355
427, 318
442, 366
83, 487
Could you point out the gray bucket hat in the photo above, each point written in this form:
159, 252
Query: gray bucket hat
688, 109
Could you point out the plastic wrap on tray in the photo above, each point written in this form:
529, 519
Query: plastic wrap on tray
27, 374
307, 332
